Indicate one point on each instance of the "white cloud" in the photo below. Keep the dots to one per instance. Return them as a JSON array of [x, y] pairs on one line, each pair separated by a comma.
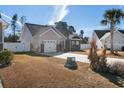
[[60, 12], [6, 16], [121, 6]]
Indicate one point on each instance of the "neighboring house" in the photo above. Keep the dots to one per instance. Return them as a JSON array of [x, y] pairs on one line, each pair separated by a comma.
[[3, 26], [46, 38], [103, 38]]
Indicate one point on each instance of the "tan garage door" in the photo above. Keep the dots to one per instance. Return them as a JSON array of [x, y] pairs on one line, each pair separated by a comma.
[[50, 46]]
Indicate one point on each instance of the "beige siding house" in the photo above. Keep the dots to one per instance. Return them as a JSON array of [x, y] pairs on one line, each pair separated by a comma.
[[45, 38]]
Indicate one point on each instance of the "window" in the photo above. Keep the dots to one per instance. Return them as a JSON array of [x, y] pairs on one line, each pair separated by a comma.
[[72, 42], [77, 42]]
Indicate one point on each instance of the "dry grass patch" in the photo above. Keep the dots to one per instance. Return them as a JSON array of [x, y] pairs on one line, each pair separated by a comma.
[[32, 71]]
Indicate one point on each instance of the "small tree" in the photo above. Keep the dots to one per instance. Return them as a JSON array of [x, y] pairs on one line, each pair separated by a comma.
[[13, 25], [97, 62], [10, 38], [81, 33], [71, 29], [1, 45], [63, 26]]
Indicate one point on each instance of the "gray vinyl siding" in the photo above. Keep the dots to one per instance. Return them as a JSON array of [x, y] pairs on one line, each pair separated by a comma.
[[67, 45], [42, 48]]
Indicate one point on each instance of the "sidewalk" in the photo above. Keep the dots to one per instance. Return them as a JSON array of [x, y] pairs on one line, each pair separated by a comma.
[[1, 86]]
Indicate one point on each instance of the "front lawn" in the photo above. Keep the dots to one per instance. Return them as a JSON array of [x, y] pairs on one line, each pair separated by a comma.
[[33, 71]]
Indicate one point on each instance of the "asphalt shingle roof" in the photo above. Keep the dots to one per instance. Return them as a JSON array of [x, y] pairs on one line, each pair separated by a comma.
[[36, 28], [100, 33]]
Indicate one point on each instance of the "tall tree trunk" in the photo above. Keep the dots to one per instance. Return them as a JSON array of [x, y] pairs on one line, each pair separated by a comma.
[[112, 36], [112, 42], [1, 38], [14, 39]]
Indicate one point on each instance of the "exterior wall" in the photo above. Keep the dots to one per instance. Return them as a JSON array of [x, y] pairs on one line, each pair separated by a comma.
[[50, 35], [67, 46], [38, 39], [42, 48], [84, 46], [58, 47], [98, 42], [35, 46], [26, 36], [118, 41], [17, 47]]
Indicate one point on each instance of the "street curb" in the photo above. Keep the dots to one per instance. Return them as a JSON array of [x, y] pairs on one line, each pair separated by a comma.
[[1, 84]]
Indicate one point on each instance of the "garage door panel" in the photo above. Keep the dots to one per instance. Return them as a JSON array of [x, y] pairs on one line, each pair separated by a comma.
[[50, 46]]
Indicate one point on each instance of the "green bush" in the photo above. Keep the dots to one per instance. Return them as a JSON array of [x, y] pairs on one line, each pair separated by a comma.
[[5, 57]]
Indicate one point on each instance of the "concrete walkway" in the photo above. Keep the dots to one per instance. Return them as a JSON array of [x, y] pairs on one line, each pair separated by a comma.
[[84, 58], [80, 57]]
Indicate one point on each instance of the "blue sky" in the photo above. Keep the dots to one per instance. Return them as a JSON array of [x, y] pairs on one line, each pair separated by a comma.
[[80, 16]]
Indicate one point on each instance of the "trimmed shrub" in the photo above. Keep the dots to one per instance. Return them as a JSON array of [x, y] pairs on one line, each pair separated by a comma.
[[5, 58], [117, 68]]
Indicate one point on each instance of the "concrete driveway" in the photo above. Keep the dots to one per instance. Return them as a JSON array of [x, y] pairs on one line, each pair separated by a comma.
[[79, 57]]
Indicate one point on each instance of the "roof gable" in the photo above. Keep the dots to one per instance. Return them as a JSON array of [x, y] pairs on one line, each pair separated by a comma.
[[34, 28], [122, 31], [101, 33], [64, 32]]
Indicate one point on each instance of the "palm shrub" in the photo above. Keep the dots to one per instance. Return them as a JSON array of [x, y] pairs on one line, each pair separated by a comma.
[[112, 18], [5, 57], [98, 63]]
